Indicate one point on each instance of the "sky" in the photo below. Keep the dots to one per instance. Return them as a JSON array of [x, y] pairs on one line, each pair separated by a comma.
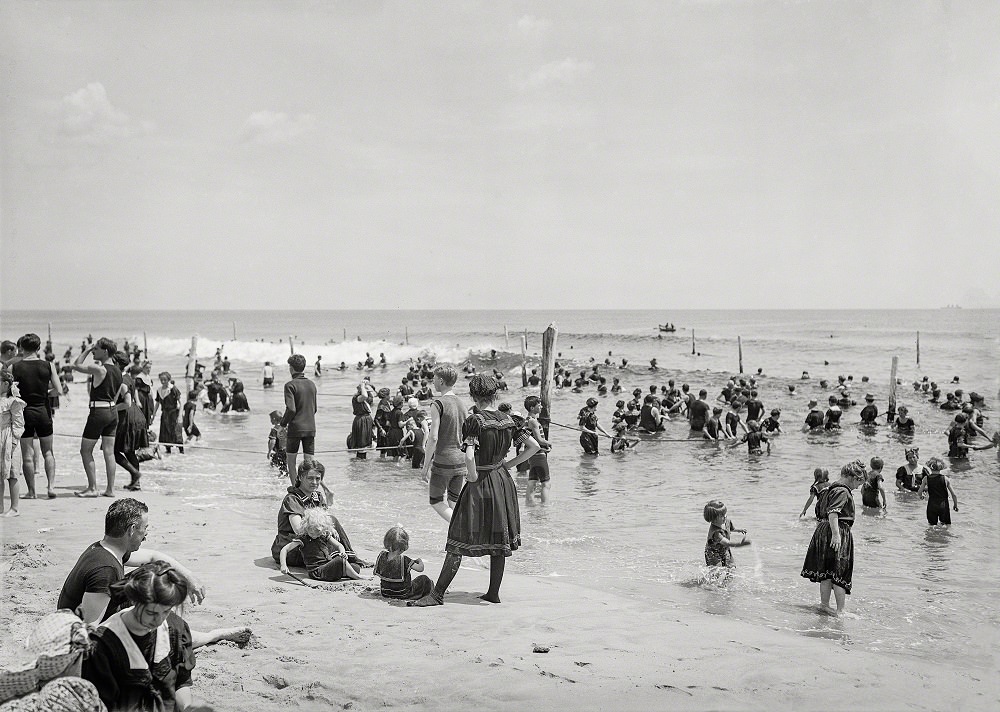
[[691, 154]]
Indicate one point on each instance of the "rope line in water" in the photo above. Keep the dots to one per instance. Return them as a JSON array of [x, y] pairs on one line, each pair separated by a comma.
[[602, 435], [253, 452]]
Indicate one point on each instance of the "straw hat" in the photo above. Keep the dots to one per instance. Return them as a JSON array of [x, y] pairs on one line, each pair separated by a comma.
[[57, 641]]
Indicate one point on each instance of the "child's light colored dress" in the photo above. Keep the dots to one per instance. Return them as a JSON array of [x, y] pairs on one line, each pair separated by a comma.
[[11, 427]]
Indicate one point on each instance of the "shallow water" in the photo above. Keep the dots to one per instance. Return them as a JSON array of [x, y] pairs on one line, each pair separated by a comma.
[[632, 521]]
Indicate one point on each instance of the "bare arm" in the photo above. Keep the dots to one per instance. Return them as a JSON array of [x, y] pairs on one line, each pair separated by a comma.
[[471, 474], [530, 449], [54, 378], [417, 565], [808, 502], [536, 433], [196, 590], [431, 445], [834, 520], [283, 556], [93, 606], [295, 521], [954, 497]]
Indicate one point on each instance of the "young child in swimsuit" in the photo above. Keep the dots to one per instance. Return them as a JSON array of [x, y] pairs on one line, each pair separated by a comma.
[[821, 480], [938, 487], [324, 556], [753, 439], [11, 428], [718, 547], [276, 454], [872, 489], [393, 568]]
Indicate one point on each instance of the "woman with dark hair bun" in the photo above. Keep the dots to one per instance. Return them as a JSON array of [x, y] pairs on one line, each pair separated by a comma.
[[142, 656], [486, 520]]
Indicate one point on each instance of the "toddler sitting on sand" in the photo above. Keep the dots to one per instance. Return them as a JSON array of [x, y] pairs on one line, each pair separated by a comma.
[[323, 554], [393, 567]]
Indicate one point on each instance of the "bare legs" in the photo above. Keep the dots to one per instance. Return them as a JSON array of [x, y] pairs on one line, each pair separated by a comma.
[[87, 455], [543, 492], [28, 464], [840, 595], [444, 509]]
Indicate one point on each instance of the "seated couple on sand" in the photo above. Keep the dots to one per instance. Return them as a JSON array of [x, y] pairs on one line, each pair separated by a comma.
[[309, 535]]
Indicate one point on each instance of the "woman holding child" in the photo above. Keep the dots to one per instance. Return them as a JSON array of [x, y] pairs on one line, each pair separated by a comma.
[[306, 495], [486, 520]]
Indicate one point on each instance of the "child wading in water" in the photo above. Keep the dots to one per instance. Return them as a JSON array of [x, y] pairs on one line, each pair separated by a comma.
[[323, 554], [872, 489], [190, 427], [753, 439], [719, 544], [821, 480], [11, 428], [276, 454], [394, 568], [938, 487]]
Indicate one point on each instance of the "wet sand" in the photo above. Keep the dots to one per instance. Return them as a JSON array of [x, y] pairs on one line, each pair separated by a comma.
[[343, 646]]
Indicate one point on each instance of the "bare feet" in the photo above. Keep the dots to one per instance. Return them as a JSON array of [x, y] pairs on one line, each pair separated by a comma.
[[29, 495], [428, 600], [490, 598], [108, 493], [240, 636], [11, 513], [88, 493]]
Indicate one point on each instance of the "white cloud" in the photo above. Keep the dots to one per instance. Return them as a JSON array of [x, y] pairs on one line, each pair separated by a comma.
[[565, 72], [88, 116], [534, 28], [270, 127]]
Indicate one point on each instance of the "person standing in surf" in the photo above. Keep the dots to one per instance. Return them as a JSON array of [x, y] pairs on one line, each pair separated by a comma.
[[34, 377]]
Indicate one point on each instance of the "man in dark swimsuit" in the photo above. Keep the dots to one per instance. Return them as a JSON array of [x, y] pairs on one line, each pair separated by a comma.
[[700, 412], [35, 377], [102, 422]]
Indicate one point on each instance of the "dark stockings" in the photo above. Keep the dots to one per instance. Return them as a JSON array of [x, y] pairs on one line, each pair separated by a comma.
[[130, 463], [452, 562]]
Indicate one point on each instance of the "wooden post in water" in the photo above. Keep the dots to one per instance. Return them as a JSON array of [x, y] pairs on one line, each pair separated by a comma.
[[548, 372], [739, 344], [918, 348], [891, 413], [524, 362], [692, 342], [145, 347], [234, 331], [50, 331], [194, 359], [291, 345], [506, 338], [345, 333], [406, 335]]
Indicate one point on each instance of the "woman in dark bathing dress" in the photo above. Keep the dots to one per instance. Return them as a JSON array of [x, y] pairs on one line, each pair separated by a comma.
[[486, 519], [830, 557], [362, 429]]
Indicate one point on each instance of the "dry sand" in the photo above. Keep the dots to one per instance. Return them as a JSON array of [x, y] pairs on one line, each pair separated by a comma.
[[347, 648]]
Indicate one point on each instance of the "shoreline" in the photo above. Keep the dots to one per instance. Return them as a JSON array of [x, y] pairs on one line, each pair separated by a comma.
[[344, 646]]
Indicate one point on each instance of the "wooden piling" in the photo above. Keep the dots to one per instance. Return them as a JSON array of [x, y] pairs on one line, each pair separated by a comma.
[[739, 345], [692, 343], [345, 334], [291, 345], [891, 412], [50, 331], [548, 372], [234, 331], [918, 348], [145, 347], [506, 338], [524, 362], [406, 335]]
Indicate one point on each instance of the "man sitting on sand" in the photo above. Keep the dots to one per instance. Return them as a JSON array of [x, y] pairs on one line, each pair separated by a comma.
[[87, 589]]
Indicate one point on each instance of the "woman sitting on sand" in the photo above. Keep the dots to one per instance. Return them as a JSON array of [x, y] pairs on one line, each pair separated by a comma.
[[142, 656], [305, 495]]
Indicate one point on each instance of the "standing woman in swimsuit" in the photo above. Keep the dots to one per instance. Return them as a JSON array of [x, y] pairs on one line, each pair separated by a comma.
[[363, 426], [486, 520], [102, 423], [168, 398]]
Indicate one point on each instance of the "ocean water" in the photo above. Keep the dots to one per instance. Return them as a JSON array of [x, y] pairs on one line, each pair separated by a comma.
[[630, 522]]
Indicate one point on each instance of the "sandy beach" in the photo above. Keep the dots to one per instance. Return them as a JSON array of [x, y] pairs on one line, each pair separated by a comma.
[[343, 646]]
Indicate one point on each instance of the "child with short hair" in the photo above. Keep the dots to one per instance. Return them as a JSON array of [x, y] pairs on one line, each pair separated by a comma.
[[938, 488], [753, 438], [719, 544], [872, 488], [821, 480], [414, 436], [772, 423], [276, 454], [323, 554], [393, 568], [190, 427]]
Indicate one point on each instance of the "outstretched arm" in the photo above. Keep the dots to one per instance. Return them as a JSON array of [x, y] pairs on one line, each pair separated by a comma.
[[196, 590], [283, 556], [808, 503]]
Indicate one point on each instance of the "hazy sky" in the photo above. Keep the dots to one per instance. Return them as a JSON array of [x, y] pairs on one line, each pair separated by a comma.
[[685, 154]]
